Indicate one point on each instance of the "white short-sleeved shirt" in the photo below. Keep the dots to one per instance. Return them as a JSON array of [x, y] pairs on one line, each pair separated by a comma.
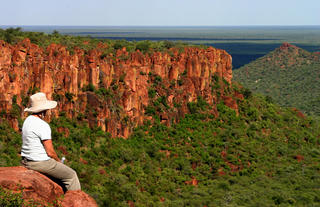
[[34, 130]]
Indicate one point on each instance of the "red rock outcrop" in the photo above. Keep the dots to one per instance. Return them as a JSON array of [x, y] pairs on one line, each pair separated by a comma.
[[287, 45], [71, 77], [77, 198], [41, 189], [34, 184]]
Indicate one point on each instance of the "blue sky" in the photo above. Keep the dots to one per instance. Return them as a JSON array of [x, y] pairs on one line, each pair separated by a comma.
[[160, 12]]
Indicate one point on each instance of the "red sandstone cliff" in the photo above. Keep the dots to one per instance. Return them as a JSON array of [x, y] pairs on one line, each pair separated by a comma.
[[60, 74], [40, 189]]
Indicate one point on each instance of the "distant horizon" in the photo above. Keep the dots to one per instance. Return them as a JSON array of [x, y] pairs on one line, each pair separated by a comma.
[[159, 25], [156, 26], [244, 42]]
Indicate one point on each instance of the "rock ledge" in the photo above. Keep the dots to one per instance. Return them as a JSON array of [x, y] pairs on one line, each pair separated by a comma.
[[40, 188]]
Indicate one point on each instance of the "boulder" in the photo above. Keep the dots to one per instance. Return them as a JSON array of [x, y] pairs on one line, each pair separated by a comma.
[[33, 184], [39, 188]]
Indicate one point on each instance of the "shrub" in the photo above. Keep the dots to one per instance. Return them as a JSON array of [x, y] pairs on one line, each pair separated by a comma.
[[89, 87], [9, 199], [69, 96], [143, 46]]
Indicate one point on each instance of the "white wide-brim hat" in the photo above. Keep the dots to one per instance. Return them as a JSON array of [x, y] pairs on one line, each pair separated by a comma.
[[39, 102]]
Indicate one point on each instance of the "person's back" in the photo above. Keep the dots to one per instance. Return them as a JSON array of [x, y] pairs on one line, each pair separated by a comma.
[[37, 151], [34, 130]]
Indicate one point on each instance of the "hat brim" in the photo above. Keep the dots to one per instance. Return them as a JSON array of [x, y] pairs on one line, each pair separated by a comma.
[[47, 105]]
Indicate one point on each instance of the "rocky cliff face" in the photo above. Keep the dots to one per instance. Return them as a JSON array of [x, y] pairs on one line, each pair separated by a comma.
[[111, 91]]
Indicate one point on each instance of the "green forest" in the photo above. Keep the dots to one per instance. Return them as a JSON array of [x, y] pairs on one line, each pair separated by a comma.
[[264, 155]]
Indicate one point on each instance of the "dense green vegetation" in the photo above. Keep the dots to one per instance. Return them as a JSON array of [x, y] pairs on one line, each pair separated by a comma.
[[10, 199], [290, 77], [265, 156]]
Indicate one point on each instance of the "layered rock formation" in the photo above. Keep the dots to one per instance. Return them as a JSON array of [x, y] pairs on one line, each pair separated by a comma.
[[40, 189], [73, 79]]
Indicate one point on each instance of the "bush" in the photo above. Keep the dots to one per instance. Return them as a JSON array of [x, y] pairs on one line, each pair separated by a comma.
[[143, 46], [10, 199], [69, 96]]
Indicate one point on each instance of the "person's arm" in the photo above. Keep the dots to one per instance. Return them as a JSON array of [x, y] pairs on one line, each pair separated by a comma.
[[50, 150]]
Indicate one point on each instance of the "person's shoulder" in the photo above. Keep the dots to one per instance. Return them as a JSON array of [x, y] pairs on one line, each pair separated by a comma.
[[39, 121], [30, 118], [43, 122]]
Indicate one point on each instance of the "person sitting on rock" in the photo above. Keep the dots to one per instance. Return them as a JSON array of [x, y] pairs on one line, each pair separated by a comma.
[[37, 150]]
